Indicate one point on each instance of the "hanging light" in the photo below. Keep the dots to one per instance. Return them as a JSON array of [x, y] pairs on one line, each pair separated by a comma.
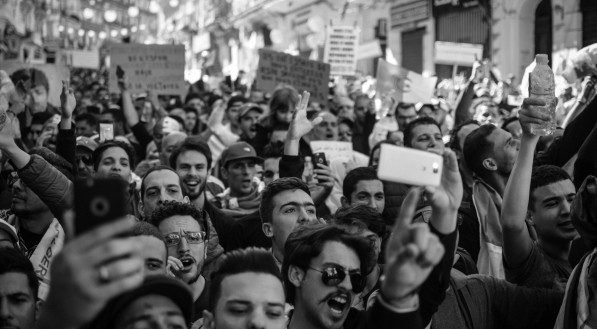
[[142, 27], [124, 31], [70, 30], [133, 11], [154, 7], [102, 35], [110, 15], [88, 13], [173, 3], [134, 29], [81, 33], [91, 34], [60, 28], [113, 33]]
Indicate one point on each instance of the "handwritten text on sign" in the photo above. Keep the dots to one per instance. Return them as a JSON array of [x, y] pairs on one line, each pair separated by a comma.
[[303, 74], [340, 50], [333, 150], [159, 68]]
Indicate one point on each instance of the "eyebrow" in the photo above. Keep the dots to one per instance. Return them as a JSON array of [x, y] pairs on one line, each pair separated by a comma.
[[297, 204], [149, 316], [246, 302]]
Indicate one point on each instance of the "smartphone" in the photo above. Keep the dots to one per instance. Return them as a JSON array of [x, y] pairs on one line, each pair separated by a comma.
[[119, 72], [106, 132], [409, 166], [318, 158], [99, 201]]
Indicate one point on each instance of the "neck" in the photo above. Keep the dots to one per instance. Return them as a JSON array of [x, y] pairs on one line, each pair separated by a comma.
[[277, 253], [199, 203], [299, 319], [556, 249], [372, 279], [238, 195], [36, 223], [467, 175], [497, 182], [197, 287]]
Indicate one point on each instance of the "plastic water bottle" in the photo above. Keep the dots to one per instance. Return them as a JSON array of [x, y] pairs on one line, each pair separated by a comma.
[[542, 86]]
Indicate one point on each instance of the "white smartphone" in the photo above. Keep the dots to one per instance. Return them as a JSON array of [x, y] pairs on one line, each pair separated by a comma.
[[409, 166], [106, 132]]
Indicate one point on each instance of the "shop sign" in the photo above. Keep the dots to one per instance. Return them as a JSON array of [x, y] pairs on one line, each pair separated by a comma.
[[457, 53], [404, 13]]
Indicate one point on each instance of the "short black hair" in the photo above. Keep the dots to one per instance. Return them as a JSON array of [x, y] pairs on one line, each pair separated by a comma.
[[235, 99], [307, 242], [377, 147], [87, 117], [14, 261], [117, 114], [266, 207], [356, 175], [545, 175], [156, 168], [192, 143], [362, 217], [35, 76], [99, 152], [192, 96], [477, 147], [252, 259], [147, 229], [454, 140], [422, 121], [173, 208], [347, 122]]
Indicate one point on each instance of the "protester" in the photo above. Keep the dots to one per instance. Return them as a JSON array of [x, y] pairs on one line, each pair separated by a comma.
[[361, 186], [424, 134], [18, 290], [405, 113], [84, 156], [248, 118], [154, 248]]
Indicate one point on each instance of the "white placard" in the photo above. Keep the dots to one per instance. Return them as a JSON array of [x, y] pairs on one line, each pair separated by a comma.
[[333, 150], [457, 53], [340, 50]]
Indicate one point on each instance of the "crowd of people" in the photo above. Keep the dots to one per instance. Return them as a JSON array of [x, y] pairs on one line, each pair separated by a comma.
[[230, 224]]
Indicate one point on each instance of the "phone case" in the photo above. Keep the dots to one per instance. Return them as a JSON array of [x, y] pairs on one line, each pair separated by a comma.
[[409, 166]]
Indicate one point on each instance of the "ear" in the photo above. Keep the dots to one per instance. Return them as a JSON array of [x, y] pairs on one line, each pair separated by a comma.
[[530, 218], [295, 275], [490, 164], [267, 229], [224, 173], [186, 199], [344, 201], [140, 207], [208, 320], [38, 306]]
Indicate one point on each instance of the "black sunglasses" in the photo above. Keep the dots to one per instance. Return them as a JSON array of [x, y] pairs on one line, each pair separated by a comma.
[[86, 158], [333, 275]]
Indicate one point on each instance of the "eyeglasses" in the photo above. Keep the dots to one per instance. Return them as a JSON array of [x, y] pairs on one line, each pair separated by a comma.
[[333, 275], [86, 158], [173, 239]]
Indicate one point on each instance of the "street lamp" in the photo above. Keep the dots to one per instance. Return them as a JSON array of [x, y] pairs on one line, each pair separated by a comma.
[[133, 11], [124, 32], [102, 35], [110, 15], [91, 34], [154, 7], [173, 3], [88, 13], [81, 33], [134, 29], [113, 33]]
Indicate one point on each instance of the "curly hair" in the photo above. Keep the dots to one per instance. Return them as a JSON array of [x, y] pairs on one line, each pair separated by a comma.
[[172, 208]]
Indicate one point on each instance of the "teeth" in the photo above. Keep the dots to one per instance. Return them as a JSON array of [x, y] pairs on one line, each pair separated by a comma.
[[340, 300]]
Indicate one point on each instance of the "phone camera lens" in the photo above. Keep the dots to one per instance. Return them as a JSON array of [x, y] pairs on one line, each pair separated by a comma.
[[99, 206]]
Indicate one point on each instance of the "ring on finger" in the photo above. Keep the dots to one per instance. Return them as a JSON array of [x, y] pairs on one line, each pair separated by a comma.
[[104, 275]]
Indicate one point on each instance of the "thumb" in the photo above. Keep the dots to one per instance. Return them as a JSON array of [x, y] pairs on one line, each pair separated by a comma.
[[317, 121]]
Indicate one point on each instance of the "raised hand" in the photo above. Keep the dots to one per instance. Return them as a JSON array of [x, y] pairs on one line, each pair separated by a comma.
[[89, 271], [531, 114], [67, 100], [448, 195], [300, 125], [7, 134], [174, 266], [411, 253], [324, 176], [217, 114]]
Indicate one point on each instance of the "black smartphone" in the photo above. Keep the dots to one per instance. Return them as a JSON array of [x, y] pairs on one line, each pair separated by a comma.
[[99, 201], [318, 158], [119, 72]]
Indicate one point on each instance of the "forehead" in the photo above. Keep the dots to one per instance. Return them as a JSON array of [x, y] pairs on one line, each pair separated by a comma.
[[149, 305], [407, 111], [161, 178], [466, 130], [256, 288], [177, 222], [191, 157], [371, 186], [425, 129], [114, 152], [328, 117], [337, 253], [297, 195], [13, 282], [252, 113], [557, 189]]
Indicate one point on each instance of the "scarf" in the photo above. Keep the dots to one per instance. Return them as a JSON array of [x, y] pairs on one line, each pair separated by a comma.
[[41, 257], [237, 207], [488, 204]]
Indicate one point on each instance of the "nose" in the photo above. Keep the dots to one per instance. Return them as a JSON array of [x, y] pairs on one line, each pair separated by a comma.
[[193, 171], [183, 247], [4, 309], [257, 320], [565, 207], [346, 284], [303, 215], [371, 203]]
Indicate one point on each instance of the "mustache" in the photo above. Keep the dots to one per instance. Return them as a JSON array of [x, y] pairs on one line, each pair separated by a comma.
[[339, 292]]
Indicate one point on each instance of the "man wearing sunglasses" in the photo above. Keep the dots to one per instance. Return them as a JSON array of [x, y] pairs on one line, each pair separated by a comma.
[[84, 156], [185, 232]]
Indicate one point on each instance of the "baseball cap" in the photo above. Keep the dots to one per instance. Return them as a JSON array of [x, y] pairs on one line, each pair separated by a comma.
[[171, 288], [246, 108], [87, 143], [238, 151]]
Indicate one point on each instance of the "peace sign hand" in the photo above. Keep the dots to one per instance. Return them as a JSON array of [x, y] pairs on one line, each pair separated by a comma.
[[411, 253], [67, 100], [300, 125]]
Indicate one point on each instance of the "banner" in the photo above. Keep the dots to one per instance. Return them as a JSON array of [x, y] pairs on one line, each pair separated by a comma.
[[333, 150], [403, 85], [275, 68], [54, 74], [159, 68], [340, 50]]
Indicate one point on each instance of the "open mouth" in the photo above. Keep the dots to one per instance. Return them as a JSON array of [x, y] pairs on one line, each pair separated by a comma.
[[187, 262], [566, 224], [338, 304]]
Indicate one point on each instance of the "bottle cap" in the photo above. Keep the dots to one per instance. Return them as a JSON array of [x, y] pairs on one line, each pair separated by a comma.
[[541, 59]]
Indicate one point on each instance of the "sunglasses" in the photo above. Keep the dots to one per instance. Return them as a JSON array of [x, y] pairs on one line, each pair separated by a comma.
[[333, 275], [173, 239], [86, 158]]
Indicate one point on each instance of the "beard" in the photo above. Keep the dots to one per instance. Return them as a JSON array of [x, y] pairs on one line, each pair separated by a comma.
[[194, 193]]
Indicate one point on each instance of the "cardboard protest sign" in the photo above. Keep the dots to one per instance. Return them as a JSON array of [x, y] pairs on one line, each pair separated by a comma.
[[159, 68], [54, 74], [333, 150], [403, 85], [340, 50], [85, 59], [275, 68]]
